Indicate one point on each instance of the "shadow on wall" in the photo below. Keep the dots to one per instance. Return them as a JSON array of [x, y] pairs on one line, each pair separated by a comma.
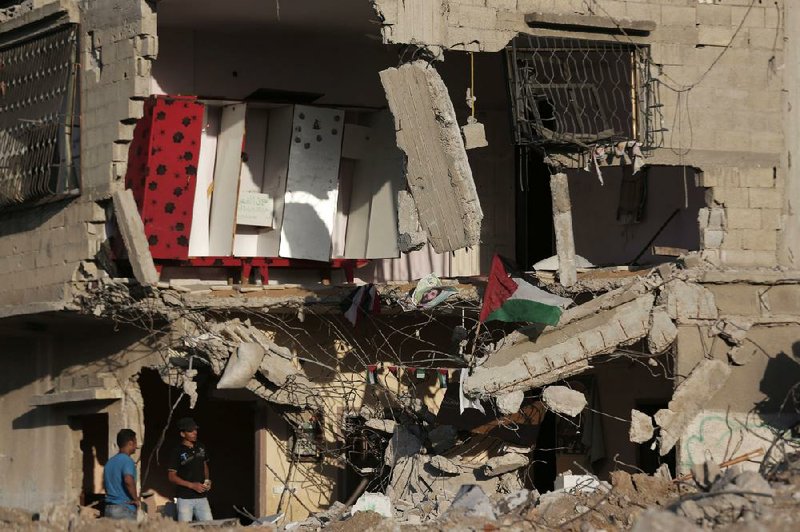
[[29, 219], [604, 240], [781, 387]]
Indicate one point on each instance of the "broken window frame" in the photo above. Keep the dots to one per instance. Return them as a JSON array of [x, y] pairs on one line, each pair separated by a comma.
[[44, 166], [635, 87]]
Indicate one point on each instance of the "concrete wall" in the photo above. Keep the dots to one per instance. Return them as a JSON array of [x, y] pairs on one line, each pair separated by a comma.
[[746, 413], [725, 119], [42, 247], [40, 457]]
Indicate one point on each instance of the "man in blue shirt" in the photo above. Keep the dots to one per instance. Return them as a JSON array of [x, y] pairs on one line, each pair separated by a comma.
[[119, 479]]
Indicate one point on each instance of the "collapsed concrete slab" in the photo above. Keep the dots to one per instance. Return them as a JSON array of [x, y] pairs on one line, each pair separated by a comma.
[[438, 172], [133, 236], [690, 397], [563, 400], [562, 352], [241, 366]]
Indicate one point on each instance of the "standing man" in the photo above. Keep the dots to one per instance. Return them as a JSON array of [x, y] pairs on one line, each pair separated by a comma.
[[119, 479], [188, 470]]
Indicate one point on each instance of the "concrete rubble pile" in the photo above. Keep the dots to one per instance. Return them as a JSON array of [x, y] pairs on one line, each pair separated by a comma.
[[639, 502]]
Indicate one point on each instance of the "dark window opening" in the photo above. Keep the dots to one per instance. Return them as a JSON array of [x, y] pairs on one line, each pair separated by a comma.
[[567, 94]]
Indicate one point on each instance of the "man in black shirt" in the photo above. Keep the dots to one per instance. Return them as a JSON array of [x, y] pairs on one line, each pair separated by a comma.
[[188, 470]]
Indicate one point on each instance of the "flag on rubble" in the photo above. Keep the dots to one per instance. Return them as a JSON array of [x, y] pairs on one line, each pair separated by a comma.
[[360, 302], [511, 298]]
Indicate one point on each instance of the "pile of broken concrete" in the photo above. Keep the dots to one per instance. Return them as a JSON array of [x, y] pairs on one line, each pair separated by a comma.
[[639, 502]]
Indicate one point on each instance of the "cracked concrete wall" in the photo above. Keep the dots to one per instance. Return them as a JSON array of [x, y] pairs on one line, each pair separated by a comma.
[[41, 247], [736, 113]]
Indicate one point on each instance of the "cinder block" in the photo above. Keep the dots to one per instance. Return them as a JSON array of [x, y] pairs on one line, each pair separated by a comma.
[[768, 198], [507, 5], [748, 258], [758, 177], [759, 239], [784, 299], [730, 196], [146, 46], [732, 239], [765, 38], [475, 16], [544, 6], [714, 14], [771, 218], [678, 15], [643, 11], [717, 35], [711, 239], [743, 218], [748, 16]]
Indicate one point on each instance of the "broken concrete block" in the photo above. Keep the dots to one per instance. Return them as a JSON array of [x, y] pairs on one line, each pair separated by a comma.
[[277, 365], [690, 397], [381, 425], [474, 135], [410, 237], [688, 301], [662, 331], [445, 465], [509, 403], [732, 329], [641, 427], [133, 236], [564, 400], [438, 172], [472, 500], [241, 366], [505, 463]]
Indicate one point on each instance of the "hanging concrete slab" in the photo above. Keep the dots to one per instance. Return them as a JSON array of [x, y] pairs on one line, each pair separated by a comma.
[[438, 172]]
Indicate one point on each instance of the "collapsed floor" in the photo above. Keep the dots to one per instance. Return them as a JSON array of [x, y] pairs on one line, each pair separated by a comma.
[[417, 445]]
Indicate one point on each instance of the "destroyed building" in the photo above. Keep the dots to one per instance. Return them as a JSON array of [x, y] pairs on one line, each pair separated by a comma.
[[231, 210]]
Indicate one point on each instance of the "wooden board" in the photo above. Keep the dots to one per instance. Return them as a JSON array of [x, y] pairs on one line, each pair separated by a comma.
[[343, 208], [387, 165], [226, 180], [312, 183], [276, 166], [198, 238], [250, 241], [361, 192]]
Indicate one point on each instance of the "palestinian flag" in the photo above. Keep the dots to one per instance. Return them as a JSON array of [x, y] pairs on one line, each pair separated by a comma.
[[511, 298]]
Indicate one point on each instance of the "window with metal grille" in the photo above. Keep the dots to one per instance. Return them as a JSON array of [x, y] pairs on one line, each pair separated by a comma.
[[568, 93], [38, 108]]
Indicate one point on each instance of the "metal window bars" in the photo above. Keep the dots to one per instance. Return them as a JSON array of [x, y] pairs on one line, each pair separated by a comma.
[[568, 94], [38, 106]]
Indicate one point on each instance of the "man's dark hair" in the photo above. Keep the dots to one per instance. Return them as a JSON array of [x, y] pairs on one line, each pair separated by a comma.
[[124, 436]]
